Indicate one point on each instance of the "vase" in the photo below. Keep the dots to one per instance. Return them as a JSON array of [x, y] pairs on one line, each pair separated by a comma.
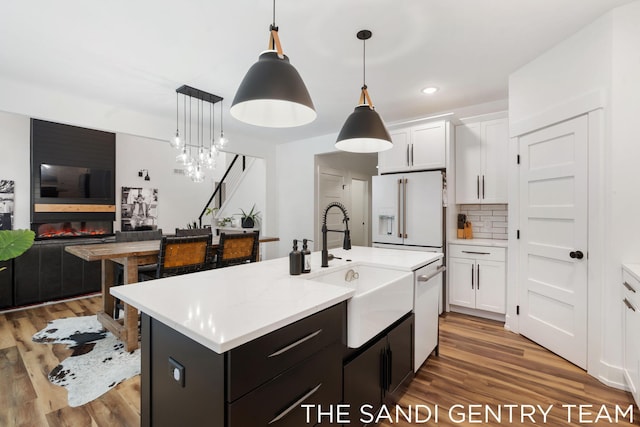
[[247, 222]]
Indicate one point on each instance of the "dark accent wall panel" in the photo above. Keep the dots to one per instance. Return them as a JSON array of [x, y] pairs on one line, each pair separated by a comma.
[[59, 144]]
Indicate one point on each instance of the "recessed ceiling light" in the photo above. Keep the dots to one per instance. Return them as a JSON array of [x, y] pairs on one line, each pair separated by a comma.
[[430, 90]]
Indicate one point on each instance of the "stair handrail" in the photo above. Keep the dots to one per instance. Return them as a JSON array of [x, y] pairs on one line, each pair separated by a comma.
[[218, 187]]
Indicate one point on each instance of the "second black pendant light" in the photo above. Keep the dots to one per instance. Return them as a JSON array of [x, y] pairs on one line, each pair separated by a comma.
[[364, 131], [272, 93]]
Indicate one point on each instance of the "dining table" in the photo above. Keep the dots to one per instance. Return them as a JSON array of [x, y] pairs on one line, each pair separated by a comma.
[[130, 255]]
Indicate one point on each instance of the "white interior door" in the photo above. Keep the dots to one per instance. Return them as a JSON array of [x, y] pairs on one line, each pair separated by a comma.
[[332, 190], [553, 233]]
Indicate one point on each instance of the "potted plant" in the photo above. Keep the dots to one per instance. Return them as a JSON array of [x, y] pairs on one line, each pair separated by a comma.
[[250, 219], [14, 243]]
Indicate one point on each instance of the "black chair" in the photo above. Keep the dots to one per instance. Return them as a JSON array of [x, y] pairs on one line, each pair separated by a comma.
[[240, 248], [180, 255]]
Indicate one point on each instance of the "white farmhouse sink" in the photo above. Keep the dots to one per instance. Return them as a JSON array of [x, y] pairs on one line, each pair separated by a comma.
[[382, 296]]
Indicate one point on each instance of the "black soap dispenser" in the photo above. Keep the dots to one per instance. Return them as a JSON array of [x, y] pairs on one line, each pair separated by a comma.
[[295, 260], [306, 256]]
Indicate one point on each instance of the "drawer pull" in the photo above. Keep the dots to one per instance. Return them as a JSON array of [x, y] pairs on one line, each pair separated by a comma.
[[426, 278], [295, 344], [476, 253], [297, 403], [629, 305], [628, 286]]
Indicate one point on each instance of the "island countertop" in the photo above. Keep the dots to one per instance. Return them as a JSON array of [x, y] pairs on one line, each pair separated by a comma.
[[224, 308]]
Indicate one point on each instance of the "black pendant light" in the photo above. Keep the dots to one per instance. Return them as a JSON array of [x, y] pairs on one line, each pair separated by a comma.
[[272, 93], [364, 131]]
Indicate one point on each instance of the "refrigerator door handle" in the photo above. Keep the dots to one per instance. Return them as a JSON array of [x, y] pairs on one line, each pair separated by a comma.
[[399, 206], [404, 213]]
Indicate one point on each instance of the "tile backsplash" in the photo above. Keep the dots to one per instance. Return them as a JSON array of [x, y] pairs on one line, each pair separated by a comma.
[[488, 221]]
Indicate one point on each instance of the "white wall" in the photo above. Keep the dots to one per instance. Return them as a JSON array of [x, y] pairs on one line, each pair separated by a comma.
[[294, 194], [597, 67], [15, 163], [251, 191], [180, 200]]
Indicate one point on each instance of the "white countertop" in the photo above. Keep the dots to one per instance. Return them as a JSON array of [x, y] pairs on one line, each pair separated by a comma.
[[633, 269], [480, 242], [225, 308]]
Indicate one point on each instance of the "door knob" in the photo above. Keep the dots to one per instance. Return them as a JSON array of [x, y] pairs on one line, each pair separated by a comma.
[[576, 254]]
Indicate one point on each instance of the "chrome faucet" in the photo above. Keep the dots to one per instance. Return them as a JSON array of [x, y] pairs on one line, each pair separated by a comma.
[[346, 243]]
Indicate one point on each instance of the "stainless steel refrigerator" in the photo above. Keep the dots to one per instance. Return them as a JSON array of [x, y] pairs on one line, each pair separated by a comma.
[[407, 211]]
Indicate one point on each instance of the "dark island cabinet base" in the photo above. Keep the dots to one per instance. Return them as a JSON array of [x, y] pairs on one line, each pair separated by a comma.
[[184, 383]]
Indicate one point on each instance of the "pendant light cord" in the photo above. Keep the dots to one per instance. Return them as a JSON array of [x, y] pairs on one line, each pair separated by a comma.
[[364, 94], [274, 39]]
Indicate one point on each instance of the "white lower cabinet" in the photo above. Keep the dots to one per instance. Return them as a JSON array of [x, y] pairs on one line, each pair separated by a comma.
[[631, 329], [477, 277]]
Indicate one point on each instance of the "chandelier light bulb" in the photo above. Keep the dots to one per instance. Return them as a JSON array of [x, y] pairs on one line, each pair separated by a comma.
[[175, 141], [183, 156], [197, 175]]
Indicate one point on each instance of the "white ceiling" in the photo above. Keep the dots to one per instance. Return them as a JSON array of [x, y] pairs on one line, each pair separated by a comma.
[[134, 54]]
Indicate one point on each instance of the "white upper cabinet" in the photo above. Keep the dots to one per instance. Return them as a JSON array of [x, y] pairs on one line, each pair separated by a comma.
[[420, 147], [481, 162]]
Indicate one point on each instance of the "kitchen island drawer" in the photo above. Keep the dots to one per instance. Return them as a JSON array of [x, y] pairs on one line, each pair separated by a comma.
[[488, 253], [259, 360], [317, 381]]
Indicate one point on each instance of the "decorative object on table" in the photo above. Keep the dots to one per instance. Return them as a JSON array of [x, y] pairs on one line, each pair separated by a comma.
[[364, 131], [272, 93], [98, 363], [7, 190], [250, 219], [139, 209], [196, 155]]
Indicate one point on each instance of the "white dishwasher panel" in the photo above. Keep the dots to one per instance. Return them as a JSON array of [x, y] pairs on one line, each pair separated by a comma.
[[427, 289]]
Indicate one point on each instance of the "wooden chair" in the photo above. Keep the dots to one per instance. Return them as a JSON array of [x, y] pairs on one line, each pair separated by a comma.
[[211, 251], [236, 249], [181, 255]]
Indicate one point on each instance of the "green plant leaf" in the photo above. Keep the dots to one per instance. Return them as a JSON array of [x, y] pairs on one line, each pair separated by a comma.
[[14, 243]]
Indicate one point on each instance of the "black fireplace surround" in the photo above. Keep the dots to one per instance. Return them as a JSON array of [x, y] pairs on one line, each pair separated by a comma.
[[46, 272], [72, 181]]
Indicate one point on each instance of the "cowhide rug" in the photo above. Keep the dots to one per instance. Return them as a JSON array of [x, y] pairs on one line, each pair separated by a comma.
[[98, 363]]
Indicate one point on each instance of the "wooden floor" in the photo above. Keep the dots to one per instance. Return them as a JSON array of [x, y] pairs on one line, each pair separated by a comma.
[[479, 364]]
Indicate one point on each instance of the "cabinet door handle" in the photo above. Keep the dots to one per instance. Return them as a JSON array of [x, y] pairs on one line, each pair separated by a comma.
[[383, 369], [477, 186], [629, 305], [628, 286], [412, 155], [478, 276], [295, 344], [293, 406], [408, 161], [476, 253], [404, 213], [482, 186], [399, 205], [471, 276], [389, 367]]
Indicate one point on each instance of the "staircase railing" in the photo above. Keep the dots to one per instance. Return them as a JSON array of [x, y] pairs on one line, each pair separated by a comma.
[[218, 190]]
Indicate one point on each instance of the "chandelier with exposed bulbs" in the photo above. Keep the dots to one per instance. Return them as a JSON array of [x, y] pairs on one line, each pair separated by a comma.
[[196, 143]]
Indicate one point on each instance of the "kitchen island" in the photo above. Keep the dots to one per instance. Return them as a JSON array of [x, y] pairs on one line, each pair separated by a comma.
[[252, 341]]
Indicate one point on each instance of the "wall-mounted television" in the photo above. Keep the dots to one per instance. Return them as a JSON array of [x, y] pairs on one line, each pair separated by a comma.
[[72, 182]]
